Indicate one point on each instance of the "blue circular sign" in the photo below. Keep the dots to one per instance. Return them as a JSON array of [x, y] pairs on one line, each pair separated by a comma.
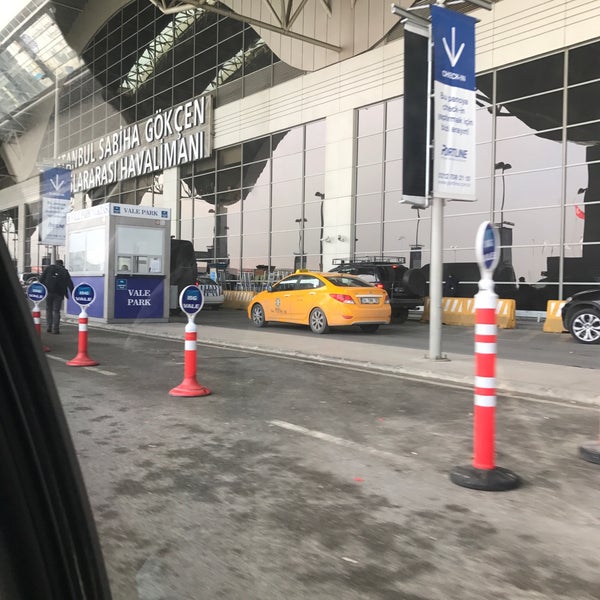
[[487, 246], [191, 300], [83, 294], [36, 291]]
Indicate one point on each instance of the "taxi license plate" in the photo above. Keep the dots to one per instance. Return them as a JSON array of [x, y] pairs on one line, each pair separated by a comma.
[[369, 300]]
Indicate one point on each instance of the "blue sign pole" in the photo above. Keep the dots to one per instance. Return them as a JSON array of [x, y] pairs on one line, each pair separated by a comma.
[[37, 292], [483, 473], [191, 301], [83, 295]]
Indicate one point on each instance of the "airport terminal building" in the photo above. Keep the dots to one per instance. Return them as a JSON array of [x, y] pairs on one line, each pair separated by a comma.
[[273, 131]]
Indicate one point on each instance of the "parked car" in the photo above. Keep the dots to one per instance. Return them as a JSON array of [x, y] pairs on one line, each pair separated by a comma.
[[405, 287], [581, 316], [212, 292], [322, 300]]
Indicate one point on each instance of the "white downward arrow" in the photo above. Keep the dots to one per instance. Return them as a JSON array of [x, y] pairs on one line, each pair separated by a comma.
[[57, 183], [452, 54]]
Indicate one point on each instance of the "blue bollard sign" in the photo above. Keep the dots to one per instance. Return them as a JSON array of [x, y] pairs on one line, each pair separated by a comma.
[[83, 295], [487, 248], [36, 292], [191, 300]]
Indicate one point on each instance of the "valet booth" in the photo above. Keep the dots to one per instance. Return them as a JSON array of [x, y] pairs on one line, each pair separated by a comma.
[[123, 252]]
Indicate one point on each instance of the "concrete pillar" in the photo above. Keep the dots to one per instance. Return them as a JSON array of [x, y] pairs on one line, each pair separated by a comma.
[[339, 187], [172, 198]]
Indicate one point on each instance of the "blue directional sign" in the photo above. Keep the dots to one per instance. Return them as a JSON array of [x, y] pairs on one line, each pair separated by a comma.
[[56, 183], [83, 294], [487, 247], [36, 292], [55, 191], [191, 300], [453, 37]]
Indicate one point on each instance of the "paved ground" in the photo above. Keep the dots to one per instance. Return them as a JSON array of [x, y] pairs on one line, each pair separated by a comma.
[[295, 481], [530, 363]]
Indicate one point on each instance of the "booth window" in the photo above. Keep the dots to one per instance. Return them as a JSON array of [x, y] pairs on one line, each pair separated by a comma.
[[140, 249], [86, 251], [124, 264]]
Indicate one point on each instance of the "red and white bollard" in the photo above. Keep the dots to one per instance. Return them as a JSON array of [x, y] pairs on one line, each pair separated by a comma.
[[37, 323], [190, 387], [82, 359], [483, 474], [485, 381]]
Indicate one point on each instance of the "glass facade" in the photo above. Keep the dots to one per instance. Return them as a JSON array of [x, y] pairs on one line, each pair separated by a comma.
[[255, 208], [538, 176]]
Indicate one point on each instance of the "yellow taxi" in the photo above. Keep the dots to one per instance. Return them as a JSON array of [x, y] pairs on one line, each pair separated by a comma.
[[321, 300]]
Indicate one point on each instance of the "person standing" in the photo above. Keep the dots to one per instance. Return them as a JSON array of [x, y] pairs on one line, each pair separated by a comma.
[[57, 280]]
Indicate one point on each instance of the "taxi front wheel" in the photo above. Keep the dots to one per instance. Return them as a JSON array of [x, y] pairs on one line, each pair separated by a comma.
[[318, 321], [258, 316]]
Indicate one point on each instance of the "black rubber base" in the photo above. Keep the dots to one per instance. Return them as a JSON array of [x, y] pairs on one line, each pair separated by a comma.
[[590, 451], [489, 480]]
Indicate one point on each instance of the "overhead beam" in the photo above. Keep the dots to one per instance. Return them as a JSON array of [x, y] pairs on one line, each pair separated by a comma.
[[194, 4]]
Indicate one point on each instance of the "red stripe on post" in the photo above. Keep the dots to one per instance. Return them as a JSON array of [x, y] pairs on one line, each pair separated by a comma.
[[485, 316], [485, 365], [483, 435]]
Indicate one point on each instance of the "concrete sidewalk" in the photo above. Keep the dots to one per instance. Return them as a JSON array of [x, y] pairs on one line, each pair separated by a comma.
[[515, 378]]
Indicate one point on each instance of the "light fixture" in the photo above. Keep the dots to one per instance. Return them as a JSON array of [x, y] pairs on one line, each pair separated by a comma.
[[504, 166], [320, 195]]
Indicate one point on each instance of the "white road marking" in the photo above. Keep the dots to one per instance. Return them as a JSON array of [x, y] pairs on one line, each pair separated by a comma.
[[332, 439], [95, 369]]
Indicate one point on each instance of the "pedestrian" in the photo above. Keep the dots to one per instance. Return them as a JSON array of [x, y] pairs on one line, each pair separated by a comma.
[[57, 280]]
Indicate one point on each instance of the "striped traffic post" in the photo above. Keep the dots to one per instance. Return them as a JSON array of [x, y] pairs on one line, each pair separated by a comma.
[[191, 301], [483, 474], [37, 292], [83, 295]]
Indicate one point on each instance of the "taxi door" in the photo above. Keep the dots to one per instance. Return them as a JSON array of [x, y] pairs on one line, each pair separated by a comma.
[[281, 300], [306, 296]]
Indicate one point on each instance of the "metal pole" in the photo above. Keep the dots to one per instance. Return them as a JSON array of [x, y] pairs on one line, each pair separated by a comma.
[[435, 279], [55, 149]]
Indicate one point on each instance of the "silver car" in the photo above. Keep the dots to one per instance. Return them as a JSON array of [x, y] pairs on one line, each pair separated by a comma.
[[212, 292]]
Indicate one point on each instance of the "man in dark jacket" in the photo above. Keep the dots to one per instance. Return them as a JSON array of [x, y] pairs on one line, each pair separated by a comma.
[[57, 281]]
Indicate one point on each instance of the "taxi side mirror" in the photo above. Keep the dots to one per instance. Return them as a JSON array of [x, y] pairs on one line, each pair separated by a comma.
[[269, 287]]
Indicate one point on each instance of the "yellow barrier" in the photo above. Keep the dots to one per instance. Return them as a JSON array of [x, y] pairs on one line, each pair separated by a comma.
[[237, 300], [506, 314], [461, 311], [553, 322], [452, 311]]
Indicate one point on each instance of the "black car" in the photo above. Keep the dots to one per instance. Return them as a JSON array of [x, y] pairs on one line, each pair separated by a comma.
[[405, 287], [581, 316]]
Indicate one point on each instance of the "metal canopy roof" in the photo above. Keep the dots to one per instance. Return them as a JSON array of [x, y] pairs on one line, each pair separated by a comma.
[[33, 57]]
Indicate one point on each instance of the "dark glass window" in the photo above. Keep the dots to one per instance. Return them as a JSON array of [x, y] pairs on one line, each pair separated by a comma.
[[530, 78], [583, 103], [583, 63]]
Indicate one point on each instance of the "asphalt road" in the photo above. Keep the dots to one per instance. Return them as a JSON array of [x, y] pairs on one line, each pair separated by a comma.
[[296, 481]]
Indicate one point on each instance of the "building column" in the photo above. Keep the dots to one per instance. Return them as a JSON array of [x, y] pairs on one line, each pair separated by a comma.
[[339, 187], [172, 198]]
